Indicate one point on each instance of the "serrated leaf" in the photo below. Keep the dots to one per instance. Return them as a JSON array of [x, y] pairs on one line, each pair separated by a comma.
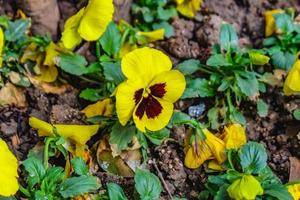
[[253, 157], [179, 118], [16, 29], [115, 192], [113, 72], [166, 14], [77, 186], [157, 137], [213, 116], [197, 88], [90, 94], [79, 166], [217, 60], [72, 63], [228, 37], [147, 185], [189, 67], [247, 83], [278, 191], [262, 108], [111, 39], [121, 135], [35, 169], [296, 114], [284, 22]]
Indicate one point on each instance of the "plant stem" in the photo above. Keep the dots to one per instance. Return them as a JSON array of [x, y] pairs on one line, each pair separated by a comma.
[[98, 55], [24, 191], [46, 151]]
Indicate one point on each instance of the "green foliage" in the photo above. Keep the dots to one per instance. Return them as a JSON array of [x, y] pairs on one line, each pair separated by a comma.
[[51, 183], [115, 192], [74, 64], [296, 114], [262, 108], [111, 40]]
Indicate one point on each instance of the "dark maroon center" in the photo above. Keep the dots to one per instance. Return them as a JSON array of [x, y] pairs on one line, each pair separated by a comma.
[[149, 105]]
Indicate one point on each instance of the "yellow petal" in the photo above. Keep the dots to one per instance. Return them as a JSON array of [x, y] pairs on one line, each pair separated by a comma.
[[245, 188], [126, 48], [156, 123], [234, 136], [9, 171], [103, 108], [44, 128], [47, 73], [125, 99], [145, 63], [152, 36], [1, 45], [270, 21], [216, 145], [52, 51], [292, 81], [174, 84], [30, 53], [294, 190], [258, 59], [214, 165], [70, 36], [95, 19], [188, 8]]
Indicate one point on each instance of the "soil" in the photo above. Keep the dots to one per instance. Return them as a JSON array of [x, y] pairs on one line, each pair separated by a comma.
[[193, 39]]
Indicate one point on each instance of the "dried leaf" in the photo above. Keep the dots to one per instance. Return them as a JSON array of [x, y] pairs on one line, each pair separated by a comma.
[[294, 169], [11, 95]]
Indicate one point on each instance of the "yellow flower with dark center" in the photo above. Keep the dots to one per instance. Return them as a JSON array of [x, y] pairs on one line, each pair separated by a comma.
[[201, 150], [188, 8], [270, 21], [245, 188], [76, 135], [292, 82], [150, 90], [1, 45], [234, 136], [294, 190], [89, 23], [8, 171]]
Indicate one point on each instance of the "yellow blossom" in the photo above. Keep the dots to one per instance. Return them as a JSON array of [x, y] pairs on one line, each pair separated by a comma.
[[292, 81], [77, 135], [103, 108], [201, 150], [188, 8], [89, 23], [294, 190], [234, 136], [150, 90], [270, 26], [152, 36], [8, 171], [126, 48], [1, 45], [245, 188]]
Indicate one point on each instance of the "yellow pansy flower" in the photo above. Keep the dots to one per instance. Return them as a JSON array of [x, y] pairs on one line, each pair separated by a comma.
[[234, 136], [150, 90], [152, 36], [89, 23], [103, 108], [1, 45], [270, 26], [126, 48], [245, 188], [8, 171], [294, 190], [77, 135], [201, 150], [292, 82], [188, 8]]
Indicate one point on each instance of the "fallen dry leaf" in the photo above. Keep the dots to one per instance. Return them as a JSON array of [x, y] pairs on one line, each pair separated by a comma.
[[48, 87], [11, 95], [294, 169]]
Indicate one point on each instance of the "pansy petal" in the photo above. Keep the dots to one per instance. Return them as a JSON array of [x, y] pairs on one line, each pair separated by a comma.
[[52, 51], [292, 82], [95, 19], [102, 108], [44, 128], [9, 171], [70, 36], [216, 145], [47, 73], [145, 63], [270, 26], [125, 100], [154, 121], [152, 36], [294, 190], [174, 84], [234, 136], [197, 155]]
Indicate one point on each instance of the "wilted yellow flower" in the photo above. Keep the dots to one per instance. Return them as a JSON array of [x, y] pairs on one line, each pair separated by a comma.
[[152, 36], [234, 136], [292, 82], [188, 8], [270, 21], [245, 188], [89, 23], [294, 190], [103, 107], [201, 150], [150, 90], [8, 171], [1, 45], [74, 134]]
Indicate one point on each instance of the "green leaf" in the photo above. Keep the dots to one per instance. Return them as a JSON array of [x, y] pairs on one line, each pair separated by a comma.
[[296, 114], [121, 135], [284, 22], [213, 117], [228, 37], [258, 58], [282, 60], [179, 118], [189, 67], [72, 63], [262, 108], [166, 14], [115, 192], [52, 178], [35, 169], [247, 83], [111, 39], [238, 117], [278, 191], [147, 185], [157, 137], [169, 30], [113, 72], [77, 186], [90, 94], [197, 88], [79, 166], [16, 30], [217, 60], [253, 157]]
